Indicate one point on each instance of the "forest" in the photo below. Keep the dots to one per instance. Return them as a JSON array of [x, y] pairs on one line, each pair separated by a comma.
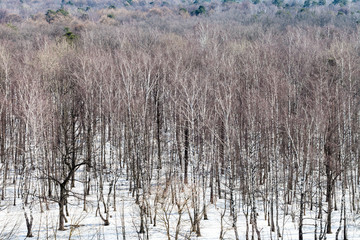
[[179, 120]]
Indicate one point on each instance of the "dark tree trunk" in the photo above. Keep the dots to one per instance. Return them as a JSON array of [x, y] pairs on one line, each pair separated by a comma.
[[186, 152]]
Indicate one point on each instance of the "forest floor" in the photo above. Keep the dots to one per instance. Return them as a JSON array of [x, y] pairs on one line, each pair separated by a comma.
[[88, 225]]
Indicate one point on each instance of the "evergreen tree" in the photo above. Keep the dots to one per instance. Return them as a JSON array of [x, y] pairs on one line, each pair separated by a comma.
[[340, 2], [278, 3], [307, 3]]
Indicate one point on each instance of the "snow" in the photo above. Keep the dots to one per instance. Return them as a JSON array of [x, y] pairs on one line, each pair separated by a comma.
[[86, 225]]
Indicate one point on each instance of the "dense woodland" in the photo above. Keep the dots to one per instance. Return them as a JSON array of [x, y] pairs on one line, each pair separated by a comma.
[[254, 103]]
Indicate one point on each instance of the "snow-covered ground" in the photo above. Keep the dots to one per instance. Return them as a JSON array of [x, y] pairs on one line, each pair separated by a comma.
[[86, 225]]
